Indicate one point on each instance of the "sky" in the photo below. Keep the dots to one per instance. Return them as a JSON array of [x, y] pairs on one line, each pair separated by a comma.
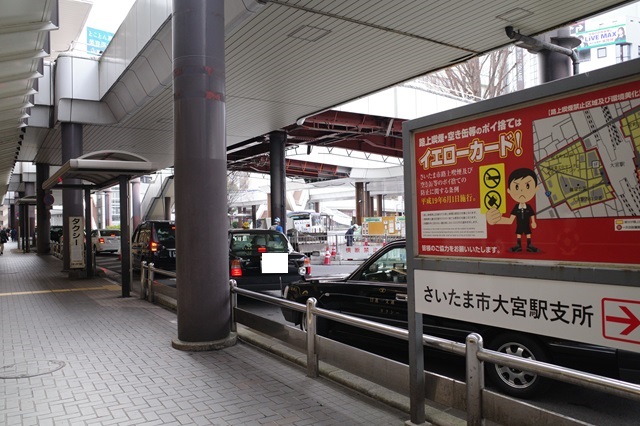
[[107, 15]]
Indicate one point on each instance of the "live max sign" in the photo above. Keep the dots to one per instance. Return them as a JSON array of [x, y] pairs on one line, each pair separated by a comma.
[[621, 320]]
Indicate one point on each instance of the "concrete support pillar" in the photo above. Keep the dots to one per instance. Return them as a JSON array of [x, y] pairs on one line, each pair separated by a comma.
[[269, 212], [125, 232], [360, 203], [30, 191], [100, 207], [167, 208], [13, 213], [88, 258], [200, 162], [254, 216], [135, 203], [380, 204], [43, 219], [71, 198], [316, 207], [277, 142], [107, 208], [20, 221]]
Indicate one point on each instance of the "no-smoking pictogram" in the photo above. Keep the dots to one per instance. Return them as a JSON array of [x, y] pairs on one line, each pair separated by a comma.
[[492, 190], [492, 199], [491, 177], [621, 320]]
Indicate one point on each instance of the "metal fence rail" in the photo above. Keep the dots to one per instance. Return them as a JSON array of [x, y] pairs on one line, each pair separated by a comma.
[[147, 276], [472, 350]]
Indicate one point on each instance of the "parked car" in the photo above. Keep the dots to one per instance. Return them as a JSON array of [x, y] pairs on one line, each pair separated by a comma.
[[55, 232], [246, 266], [154, 241], [377, 291], [105, 240]]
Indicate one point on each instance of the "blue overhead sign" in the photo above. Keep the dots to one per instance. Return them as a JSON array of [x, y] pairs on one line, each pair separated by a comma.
[[97, 40]]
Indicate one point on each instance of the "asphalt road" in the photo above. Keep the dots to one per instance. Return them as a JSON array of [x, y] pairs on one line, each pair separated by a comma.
[[573, 401]]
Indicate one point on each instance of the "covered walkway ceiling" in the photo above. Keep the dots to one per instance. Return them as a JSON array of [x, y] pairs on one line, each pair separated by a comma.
[[291, 60], [329, 129]]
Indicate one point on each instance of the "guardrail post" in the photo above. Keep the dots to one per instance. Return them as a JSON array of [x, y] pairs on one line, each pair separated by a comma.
[[475, 380], [234, 304], [150, 282], [312, 356], [143, 280]]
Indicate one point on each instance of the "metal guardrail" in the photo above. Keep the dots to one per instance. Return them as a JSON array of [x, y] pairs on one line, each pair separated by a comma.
[[56, 249], [473, 350], [147, 275]]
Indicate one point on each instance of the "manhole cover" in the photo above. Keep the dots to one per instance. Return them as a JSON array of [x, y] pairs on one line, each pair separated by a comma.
[[21, 370]]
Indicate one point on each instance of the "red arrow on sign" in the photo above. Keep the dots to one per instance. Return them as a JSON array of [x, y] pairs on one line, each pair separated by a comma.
[[630, 319]]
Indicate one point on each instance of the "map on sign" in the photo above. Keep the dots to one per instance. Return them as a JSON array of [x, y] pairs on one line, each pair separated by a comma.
[[587, 162]]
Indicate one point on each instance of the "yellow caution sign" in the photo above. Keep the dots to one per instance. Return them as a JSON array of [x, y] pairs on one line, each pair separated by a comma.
[[492, 188]]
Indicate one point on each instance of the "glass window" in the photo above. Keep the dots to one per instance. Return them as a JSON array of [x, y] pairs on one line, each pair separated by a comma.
[[584, 55], [165, 233], [623, 52], [391, 267], [602, 52]]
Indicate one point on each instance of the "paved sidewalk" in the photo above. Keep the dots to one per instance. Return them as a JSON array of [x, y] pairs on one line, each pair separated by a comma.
[[74, 352]]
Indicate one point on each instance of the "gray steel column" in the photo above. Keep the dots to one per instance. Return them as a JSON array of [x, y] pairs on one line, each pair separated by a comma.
[[107, 208], [135, 203], [71, 198], [380, 204], [43, 219], [88, 249], [125, 236], [202, 253], [360, 202], [254, 216], [30, 220], [278, 176], [100, 207], [12, 215], [167, 208]]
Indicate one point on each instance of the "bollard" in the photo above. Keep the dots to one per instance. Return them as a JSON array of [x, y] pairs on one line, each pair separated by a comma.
[[327, 257], [143, 280], [150, 282], [475, 380], [234, 304], [312, 356]]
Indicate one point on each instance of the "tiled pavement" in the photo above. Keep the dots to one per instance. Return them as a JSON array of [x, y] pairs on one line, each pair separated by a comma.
[[74, 352]]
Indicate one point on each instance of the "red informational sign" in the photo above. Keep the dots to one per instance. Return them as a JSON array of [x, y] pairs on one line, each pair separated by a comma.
[[556, 181]]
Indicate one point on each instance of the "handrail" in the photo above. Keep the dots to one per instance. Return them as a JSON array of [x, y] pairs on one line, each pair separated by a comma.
[[147, 275], [473, 351]]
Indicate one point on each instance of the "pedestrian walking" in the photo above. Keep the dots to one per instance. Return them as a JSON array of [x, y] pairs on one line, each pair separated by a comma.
[[3, 239]]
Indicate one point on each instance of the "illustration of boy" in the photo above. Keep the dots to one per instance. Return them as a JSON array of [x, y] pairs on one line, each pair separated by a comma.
[[523, 184]]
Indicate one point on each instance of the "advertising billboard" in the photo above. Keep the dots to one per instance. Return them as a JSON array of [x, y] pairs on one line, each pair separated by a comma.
[[557, 180]]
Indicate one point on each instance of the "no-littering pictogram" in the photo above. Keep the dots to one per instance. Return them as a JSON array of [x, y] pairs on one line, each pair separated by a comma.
[[621, 320]]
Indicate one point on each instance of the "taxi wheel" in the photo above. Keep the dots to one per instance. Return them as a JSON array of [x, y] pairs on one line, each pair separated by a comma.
[[511, 381]]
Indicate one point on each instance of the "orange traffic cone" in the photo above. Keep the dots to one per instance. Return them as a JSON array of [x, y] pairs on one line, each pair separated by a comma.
[[327, 257], [333, 250]]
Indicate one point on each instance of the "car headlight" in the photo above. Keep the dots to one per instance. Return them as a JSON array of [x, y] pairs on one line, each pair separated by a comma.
[[302, 271]]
